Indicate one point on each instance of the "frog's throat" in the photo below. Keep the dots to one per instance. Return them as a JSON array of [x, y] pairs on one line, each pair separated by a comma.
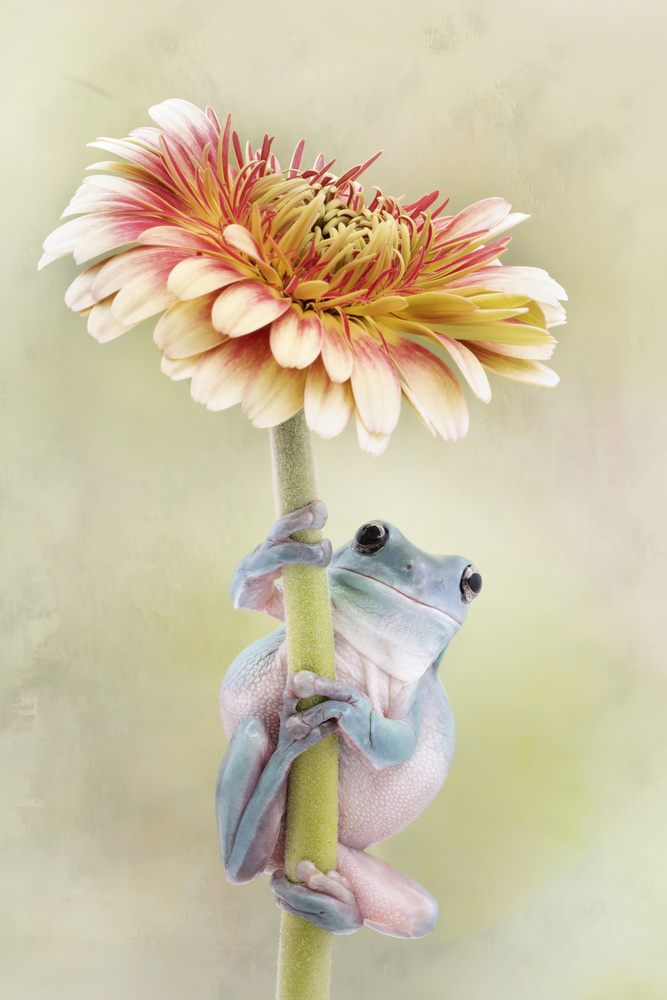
[[407, 597]]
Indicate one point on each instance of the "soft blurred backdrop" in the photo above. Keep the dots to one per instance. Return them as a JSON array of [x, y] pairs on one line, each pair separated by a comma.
[[127, 507]]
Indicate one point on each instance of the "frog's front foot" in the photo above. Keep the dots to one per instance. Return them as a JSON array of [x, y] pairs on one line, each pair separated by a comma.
[[326, 900]]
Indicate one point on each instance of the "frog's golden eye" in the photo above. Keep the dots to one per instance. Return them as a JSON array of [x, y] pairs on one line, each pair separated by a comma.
[[371, 538], [471, 583]]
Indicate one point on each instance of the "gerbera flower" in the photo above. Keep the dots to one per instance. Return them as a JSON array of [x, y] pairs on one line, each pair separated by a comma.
[[283, 289]]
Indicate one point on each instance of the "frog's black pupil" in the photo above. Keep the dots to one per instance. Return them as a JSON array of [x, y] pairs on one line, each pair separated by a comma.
[[475, 582], [371, 538]]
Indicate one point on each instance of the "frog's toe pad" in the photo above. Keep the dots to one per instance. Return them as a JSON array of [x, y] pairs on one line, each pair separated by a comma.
[[324, 900]]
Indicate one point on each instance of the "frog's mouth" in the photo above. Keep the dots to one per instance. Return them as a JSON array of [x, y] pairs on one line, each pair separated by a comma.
[[406, 597]]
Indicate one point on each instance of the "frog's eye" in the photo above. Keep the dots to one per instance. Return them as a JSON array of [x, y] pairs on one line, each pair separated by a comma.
[[371, 538], [471, 584]]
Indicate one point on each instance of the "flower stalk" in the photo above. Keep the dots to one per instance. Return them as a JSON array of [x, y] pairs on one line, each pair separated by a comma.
[[304, 958]]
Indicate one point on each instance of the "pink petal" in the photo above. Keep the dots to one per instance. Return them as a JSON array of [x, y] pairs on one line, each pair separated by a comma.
[[104, 193], [91, 235], [296, 337], [375, 384], [187, 121], [186, 329], [247, 306], [477, 218], [197, 276], [433, 385], [135, 263], [336, 350], [223, 374], [328, 405]]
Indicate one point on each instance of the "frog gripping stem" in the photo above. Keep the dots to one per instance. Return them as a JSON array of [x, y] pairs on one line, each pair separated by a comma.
[[304, 958]]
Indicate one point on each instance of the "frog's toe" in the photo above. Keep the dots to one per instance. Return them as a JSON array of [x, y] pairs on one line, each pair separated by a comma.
[[313, 515], [301, 684], [324, 900]]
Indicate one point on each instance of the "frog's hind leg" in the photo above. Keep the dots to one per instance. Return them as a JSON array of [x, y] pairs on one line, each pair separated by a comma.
[[388, 900]]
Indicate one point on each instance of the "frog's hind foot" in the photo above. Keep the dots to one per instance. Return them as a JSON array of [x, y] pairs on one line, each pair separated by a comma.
[[326, 900]]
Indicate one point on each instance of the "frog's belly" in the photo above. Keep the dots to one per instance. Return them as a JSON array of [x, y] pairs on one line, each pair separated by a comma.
[[375, 805]]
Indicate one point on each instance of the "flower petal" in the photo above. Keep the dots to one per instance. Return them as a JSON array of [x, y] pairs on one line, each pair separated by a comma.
[[469, 366], [196, 276], [369, 441], [138, 262], [311, 290], [274, 395], [336, 350], [375, 384], [179, 368], [477, 218], [185, 120], [433, 385], [80, 295], [437, 307], [517, 368], [328, 405], [186, 329], [531, 281], [247, 306], [103, 325], [296, 337], [239, 238], [223, 374]]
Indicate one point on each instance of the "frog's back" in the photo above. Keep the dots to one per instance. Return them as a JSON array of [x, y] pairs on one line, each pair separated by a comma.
[[254, 683]]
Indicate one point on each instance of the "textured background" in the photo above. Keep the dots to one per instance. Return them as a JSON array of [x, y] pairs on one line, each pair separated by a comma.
[[127, 507]]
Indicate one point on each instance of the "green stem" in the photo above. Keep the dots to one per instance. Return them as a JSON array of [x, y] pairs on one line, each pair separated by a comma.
[[304, 956]]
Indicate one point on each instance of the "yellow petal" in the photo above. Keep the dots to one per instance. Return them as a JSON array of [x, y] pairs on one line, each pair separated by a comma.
[[519, 369], [382, 305], [247, 306], [434, 307], [311, 290], [296, 337]]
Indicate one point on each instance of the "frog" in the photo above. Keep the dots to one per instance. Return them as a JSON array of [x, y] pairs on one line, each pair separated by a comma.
[[395, 610]]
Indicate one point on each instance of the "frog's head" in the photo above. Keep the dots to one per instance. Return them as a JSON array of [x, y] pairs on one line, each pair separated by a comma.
[[384, 586]]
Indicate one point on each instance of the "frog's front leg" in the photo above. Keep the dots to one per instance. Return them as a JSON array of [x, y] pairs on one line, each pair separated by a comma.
[[383, 742], [251, 791], [254, 581]]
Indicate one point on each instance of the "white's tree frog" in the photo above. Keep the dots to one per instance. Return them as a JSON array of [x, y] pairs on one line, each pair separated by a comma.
[[395, 610]]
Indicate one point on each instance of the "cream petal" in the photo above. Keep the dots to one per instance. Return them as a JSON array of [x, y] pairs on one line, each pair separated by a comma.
[[531, 281], [197, 276], [433, 384], [103, 325], [369, 441], [328, 405], [142, 297], [506, 332], [179, 368], [223, 374], [274, 394], [375, 384], [177, 236], [296, 337], [519, 369], [90, 235], [469, 366], [336, 350], [80, 295], [186, 329], [247, 306], [239, 238]]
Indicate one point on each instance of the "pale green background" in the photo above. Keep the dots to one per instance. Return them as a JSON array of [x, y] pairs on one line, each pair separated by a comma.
[[127, 507]]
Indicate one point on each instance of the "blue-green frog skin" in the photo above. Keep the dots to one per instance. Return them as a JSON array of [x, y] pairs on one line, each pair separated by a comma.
[[395, 610]]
